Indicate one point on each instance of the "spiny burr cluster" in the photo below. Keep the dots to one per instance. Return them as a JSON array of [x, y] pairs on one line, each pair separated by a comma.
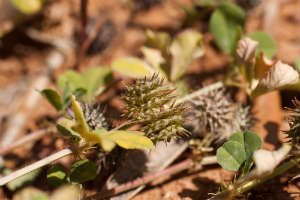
[[294, 122], [215, 113], [94, 115], [152, 103]]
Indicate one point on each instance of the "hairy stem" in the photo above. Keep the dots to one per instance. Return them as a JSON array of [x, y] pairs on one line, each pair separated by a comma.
[[34, 166], [278, 171], [202, 91]]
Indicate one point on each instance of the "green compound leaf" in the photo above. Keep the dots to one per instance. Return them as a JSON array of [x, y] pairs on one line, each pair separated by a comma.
[[95, 79], [231, 155], [132, 67], [89, 83], [28, 6], [225, 29], [70, 79], [128, 139], [184, 50], [53, 97], [83, 170], [57, 175], [233, 12], [250, 141], [266, 43]]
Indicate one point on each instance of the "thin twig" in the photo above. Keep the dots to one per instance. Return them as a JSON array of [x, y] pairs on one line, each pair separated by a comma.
[[29, 138], [202, 91], [34, 166], [83, 36], [148, 178]]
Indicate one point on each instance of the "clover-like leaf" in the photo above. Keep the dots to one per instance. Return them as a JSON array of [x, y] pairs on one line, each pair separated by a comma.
[[132, 67], [57, 175], [265, 43], [250, 141], [186, 47], [83, 170], [231, 155], [53, 97]]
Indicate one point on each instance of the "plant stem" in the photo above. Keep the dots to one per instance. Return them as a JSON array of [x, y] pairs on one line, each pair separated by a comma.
[[148, 178], [201, 91], [278, 171], [34, 166], [29, 138]]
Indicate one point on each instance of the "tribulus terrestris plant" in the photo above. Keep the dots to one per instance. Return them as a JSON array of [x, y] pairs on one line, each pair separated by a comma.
[[215, 113], [151, 102], [294, 122]]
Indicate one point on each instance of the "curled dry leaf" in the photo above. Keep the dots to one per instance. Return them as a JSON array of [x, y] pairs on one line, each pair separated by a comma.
[[266, 161], [262, 65], [281, 76], [246, 49]]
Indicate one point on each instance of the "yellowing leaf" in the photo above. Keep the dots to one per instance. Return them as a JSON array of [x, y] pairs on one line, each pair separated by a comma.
[[28, 6], [154, 57], [67, 123], [106, 144], [185, 48], [132, 67], [80, 126], [128, 139]]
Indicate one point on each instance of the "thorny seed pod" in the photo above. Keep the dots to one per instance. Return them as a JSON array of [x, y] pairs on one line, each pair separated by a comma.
[[215, 113], [294, 122], [151, 103], [94, 115]]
